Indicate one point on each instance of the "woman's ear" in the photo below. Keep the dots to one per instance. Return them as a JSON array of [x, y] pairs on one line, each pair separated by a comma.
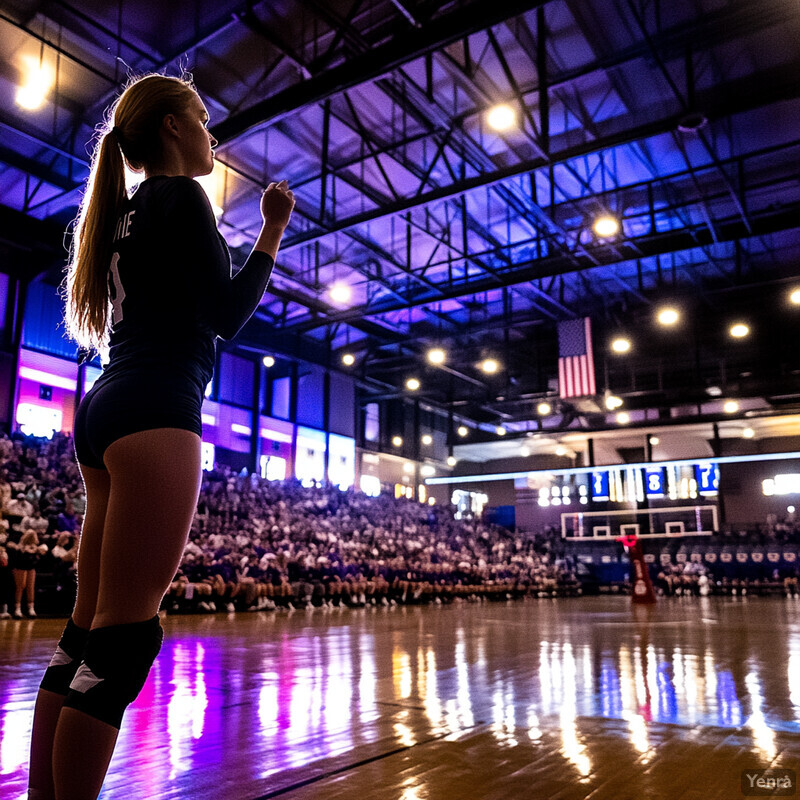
[[170, 125]]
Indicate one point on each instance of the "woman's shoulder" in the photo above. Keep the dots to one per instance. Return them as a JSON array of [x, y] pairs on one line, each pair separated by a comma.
[[166, 187], [173, 195]]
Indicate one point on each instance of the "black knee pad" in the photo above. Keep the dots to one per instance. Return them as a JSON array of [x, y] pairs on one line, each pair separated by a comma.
[[115, 665], [66, 659]]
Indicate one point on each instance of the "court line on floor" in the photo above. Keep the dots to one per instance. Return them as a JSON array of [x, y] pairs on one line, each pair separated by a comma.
[[372, 759], [399, 705]]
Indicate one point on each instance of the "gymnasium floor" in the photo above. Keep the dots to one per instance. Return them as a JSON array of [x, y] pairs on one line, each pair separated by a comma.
[[567, 699]]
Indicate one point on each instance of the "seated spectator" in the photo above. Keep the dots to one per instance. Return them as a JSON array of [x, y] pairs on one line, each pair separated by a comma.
[[64, 555], [67, 521], [35, 522], [18, 508], [6, 492], [65, 549]]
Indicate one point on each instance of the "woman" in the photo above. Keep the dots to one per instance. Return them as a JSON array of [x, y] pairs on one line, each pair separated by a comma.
[[27, 554], [148, 278]]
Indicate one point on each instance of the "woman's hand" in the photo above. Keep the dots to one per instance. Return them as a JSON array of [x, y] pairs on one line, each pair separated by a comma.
[[277, 203]]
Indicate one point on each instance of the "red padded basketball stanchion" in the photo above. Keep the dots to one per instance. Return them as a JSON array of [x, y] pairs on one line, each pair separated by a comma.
[[642, 591]]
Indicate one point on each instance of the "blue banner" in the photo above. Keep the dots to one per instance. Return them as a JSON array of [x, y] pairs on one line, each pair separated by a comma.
[[654, 482], [599, 486], [707, 477]]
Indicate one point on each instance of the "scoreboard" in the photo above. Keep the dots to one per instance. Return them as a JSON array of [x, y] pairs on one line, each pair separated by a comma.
[[673, 482], [633, 484]]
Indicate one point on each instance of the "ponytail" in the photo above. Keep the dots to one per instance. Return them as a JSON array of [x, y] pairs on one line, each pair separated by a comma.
[[87, 276], [131, 136]]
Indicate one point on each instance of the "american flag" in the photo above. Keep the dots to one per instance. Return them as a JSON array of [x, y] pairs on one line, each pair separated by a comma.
[[575, 359]]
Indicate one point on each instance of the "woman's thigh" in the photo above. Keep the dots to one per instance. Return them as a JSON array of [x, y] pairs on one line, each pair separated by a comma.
[[154, 485], [97, 484]]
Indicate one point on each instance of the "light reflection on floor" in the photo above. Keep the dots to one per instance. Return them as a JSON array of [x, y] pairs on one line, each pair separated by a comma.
[[406, 702]]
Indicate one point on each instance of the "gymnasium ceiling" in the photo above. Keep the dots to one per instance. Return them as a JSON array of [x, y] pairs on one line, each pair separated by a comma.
[[679, 117]]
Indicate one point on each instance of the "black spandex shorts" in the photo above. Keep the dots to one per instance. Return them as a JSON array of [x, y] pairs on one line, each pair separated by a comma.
[[127, 404]]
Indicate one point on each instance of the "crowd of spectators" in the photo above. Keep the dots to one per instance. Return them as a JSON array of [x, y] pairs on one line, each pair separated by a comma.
[[257, 545], [261, 545], [41, 506], [694, 579]]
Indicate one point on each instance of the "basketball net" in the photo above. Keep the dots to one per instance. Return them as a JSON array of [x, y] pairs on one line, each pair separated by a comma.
[[642, 591]]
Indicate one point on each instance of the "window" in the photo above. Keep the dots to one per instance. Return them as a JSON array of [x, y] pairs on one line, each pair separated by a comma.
[[372, 426]]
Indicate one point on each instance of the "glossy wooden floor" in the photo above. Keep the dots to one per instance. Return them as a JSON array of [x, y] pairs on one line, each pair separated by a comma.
[[567, 699]]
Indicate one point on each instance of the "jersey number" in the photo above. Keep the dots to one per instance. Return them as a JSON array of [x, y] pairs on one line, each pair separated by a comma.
[[117, 291]]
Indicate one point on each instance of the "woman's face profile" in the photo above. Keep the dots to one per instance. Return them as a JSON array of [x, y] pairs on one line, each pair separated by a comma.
[[198, 141]]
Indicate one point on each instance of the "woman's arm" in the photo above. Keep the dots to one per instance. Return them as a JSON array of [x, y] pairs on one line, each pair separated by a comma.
[[228, 302], [250, 283]]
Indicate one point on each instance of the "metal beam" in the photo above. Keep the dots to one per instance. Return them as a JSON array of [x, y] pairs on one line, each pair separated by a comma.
[[787, 217], [747, 94], [35, 169], [365, 67]]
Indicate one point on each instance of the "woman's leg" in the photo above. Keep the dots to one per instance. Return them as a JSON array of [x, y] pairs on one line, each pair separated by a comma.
[[154, 485], [30, 588], [49, 701], [19, 590]]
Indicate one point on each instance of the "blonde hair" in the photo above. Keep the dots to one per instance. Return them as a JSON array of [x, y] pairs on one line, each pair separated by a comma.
[[29, 537], [129, 135]]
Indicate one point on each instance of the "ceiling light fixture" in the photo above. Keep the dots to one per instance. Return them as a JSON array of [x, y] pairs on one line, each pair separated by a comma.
[[412, 384], [451, 461], [501, 117], [268, 361], [348, 359], [489, 366], [794, 297], [739, 330], [543, 409], [668, 316], [612, 402], [730, 407], [427, 439], [605, 226], [623, 417], [462, 431], [397, 441], [38, 78], [692, 122], [436, 355], [748, 433], [501, 431], [621, 345], [340, 293]]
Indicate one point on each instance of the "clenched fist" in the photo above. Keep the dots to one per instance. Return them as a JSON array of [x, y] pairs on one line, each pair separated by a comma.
[[277, 203]]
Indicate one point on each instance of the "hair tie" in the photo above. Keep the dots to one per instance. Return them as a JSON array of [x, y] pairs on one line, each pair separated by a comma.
[[116, 131]]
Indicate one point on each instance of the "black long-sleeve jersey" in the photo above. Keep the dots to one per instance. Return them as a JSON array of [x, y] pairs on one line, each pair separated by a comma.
[[171, 285]]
